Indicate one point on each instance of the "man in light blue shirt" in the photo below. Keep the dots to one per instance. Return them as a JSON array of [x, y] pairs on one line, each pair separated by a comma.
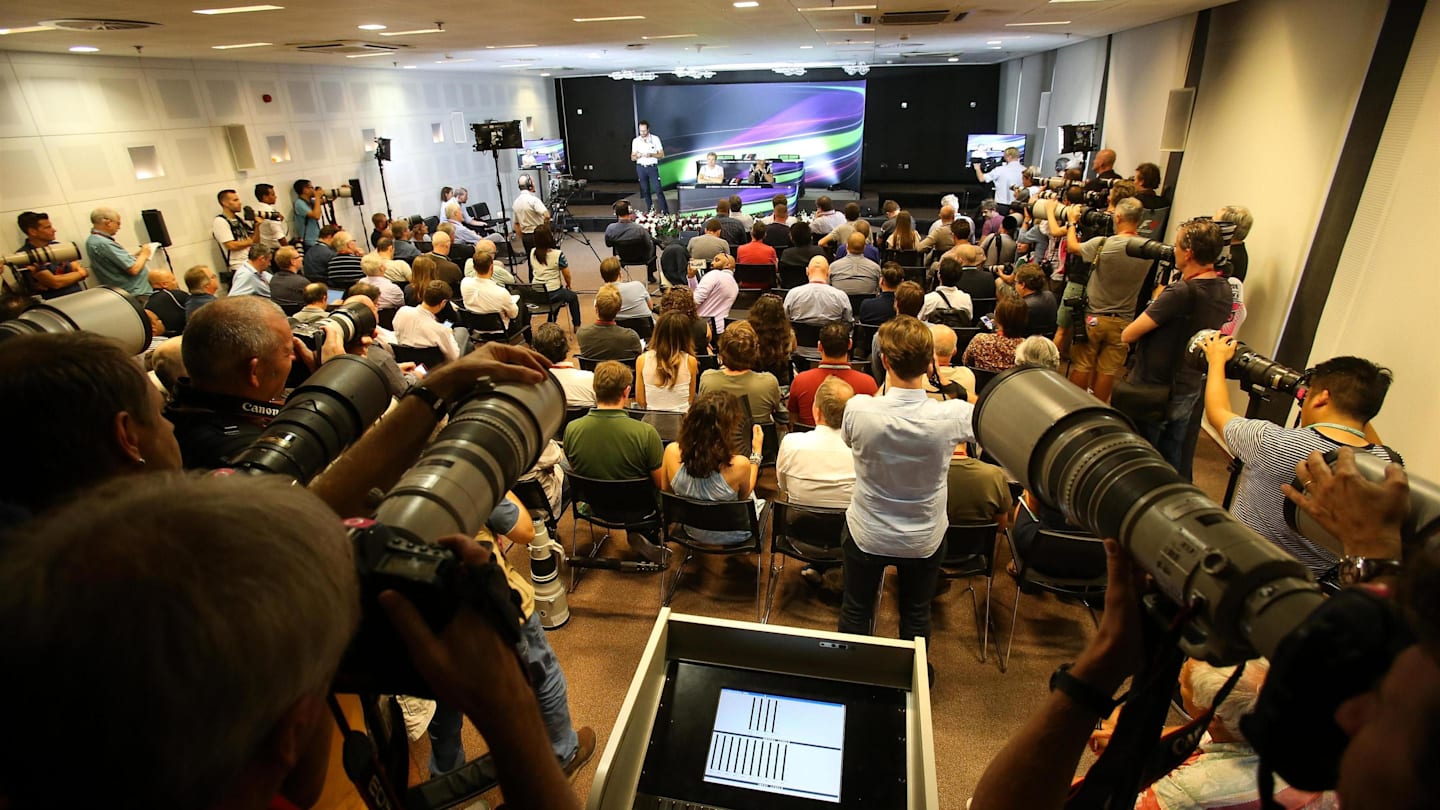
[[111, 264], [455, 216], [309, 202], [253, 277], [902, 442]]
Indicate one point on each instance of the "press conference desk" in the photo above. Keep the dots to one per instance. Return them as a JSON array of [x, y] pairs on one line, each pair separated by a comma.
[[701, 199]]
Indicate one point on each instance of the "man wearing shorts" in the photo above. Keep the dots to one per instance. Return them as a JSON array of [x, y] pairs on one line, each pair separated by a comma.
[[1113, 292]]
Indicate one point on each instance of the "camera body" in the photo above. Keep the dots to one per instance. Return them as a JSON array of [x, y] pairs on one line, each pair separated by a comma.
[[1254, 371], [353, 320], [274, 216], [1152, 250]]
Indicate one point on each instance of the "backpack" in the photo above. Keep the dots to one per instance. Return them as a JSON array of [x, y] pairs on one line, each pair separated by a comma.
[[948, 315]]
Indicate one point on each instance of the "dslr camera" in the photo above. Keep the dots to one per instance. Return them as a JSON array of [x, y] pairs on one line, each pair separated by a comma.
[[354, 320], [1254, 371]]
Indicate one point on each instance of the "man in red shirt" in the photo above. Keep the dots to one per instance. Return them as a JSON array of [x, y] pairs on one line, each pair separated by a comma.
[[756, 251], [834, 362]]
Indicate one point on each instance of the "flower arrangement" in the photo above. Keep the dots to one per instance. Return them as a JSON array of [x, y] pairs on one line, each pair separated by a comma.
[[669, 226]]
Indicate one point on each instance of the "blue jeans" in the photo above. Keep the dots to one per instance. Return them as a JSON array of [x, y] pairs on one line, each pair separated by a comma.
[[567, 296], [1168, 436], [649, 177], [446, 752]]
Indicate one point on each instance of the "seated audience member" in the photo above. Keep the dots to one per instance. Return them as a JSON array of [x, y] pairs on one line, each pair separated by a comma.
[[634, 296], [608, 445], [947, 374], [344, 268], [941, 236], [482, 295], [405, 249], [989, 218], [674, 264], [816, 467], [840, 234], [111, 264], [776, 338], [604, 339], [903, 443], [317, 303], [396, 270], [739, 349], [958, 219], [854, 274], [681, 300], [382, 227], [948, 304], [716, 292], [266, 739], [996, 351], [909, 298], [816, 301], [422, 273], [737, 210], [701, 467], [391, 296], [316, 263], [445, 268], [976, 492], [1000, 246], [756, 251], [871, 251], [287, 283], [834, 352], [548, 266], [379, 346], [420, 237], [904, 236], [794, 259], [253, 277], [667, 371], [1030, 516], [203, 283], [891, 209], [826, 218], [707, 245], [777, 227], [776, 216], [554, 345], [167, 301], [502, 274], [418, 327], [1038, 350], [730, 228], [168, 366], [1030, 283], [881, 308], [975, 279], [625, 235], [455, 218]]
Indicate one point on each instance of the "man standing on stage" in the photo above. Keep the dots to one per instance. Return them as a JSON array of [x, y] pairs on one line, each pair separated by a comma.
[[646, 151]]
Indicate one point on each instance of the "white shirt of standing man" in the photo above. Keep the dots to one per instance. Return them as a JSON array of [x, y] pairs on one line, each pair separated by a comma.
[[646, 150]]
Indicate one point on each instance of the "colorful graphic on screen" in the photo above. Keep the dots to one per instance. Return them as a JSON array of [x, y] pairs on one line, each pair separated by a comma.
[[990, 149], [822, 124], [549, 153]]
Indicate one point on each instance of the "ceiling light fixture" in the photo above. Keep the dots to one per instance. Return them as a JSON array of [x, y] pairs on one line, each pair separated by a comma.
[[366, 55], [634, 75], [953, 59], [997, 47], [84, 49], [238, 9], [839, 30], [789, 71], [851, 42], [608, 19], [671, 36], [806, 47], [857, 69], [452, 61], [372, 27], [439, 27], [241, 45], [992, 42], [746, 4], [506, 47], [1029, 24], [1074, 1], [543, 75], [839, 8], [407, 67], [27, 30]]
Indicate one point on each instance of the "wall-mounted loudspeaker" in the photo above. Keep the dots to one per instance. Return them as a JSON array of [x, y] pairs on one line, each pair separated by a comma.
[[357, 197], [1177, 120], [238, 139], [155, 226]]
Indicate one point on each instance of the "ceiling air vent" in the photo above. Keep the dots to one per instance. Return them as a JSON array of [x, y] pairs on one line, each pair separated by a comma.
[[909, 18], [99, 25], [346, 47]]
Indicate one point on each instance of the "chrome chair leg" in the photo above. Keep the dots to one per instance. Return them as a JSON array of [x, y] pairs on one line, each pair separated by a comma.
[[1015, 613], [679, 575], [773, 585]]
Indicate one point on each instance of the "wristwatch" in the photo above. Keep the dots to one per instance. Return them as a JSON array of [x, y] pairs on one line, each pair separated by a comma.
[[432, 400], [1356, 570], [1081, 693]]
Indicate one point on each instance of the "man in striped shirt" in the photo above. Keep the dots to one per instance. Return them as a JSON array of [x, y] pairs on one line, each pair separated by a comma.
[[1344, 394]]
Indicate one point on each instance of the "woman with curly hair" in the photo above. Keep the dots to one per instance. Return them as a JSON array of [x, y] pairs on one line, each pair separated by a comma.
[[739, 348], [667, 372], [681, 300], [700, 465], [777, 339]]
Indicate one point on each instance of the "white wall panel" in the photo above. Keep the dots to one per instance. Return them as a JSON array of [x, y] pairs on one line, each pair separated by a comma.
[[29, 181], [15, 118], [1145, 65], [1074, 92], [179, 99]]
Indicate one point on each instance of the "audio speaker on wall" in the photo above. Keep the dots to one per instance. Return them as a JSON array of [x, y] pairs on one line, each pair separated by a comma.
[[357, 196], [1177, 120], [238, 139], [155, 226]]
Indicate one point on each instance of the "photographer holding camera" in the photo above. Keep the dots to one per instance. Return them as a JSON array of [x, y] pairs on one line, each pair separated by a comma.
[[308, 208], [1343, 396], [48, 279], [232, 233]]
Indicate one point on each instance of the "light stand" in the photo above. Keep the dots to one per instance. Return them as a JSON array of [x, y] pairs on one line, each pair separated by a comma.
[[492, 136], [382, 154]]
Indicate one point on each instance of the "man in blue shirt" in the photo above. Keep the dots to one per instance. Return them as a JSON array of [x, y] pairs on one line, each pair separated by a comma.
[[903, 442], [253, 277], [113, 265], [309, 202], [47, 279], [202, 283]]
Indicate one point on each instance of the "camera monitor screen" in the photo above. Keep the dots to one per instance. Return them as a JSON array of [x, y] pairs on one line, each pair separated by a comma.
[[775, 744], [549, 153], [989, 149]]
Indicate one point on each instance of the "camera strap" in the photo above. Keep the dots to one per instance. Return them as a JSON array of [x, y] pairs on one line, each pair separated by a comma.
[[362, 764]]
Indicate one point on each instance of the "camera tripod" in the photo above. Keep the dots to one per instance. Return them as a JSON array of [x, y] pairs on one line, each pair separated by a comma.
[[564, 226]]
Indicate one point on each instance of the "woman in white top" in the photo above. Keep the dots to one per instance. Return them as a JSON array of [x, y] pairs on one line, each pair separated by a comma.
[[668, 371], [548, 266], [711, 172]]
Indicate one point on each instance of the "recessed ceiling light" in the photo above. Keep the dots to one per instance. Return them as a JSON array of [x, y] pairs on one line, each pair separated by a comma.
[[806, 47], [542, 75], [997, 47], [84, 49], [407, 67], [408, 33], [452, 61], [503, 47], [671, 36], [238, 9], [852, 42], [838, 8], [838, 30], [27, 30], [365, 55], [608, 19], [371, 27], [1027, 24], [992, 42], [745, 4], [241, 45], [953, 59]]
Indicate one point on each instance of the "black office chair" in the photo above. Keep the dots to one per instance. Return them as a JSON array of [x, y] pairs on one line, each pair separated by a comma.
[[1071, 566], [756, 276], [643, 327], [963, 336], [682, 515], [635, 252], [862, 340], [460, 253], [589, 363], [431, 223], [792, 276], [534, 300], [628, 505], [428, 356], [666, 423], [807, 335], [386, 318], [970, 551], [857, 300], [707, 362], [915, 273], [811, 534], [572, 412], [982, 378], [981, 306], [484, 326], [904, 258], [291, 309]]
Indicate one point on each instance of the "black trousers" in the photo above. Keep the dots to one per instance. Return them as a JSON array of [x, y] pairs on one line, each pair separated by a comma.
[[917, 577]]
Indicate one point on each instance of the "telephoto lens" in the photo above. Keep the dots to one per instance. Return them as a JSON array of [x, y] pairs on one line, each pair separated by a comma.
[[1150, 249], [322, 417], [1082, 457], [63, 252], [353, 319], [1252, 369], [338, 191], [1421, 524], [105, 311]]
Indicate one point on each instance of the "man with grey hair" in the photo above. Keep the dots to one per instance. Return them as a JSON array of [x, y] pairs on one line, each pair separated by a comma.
[[455, 215], [501, 273], [1038, 350], [344, 269], [113, 265], [253, 277], [391, 296], [245, 630], [816, 467], [1243, 221]]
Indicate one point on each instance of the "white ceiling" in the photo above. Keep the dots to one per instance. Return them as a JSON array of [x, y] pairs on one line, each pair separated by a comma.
[[485, 36]]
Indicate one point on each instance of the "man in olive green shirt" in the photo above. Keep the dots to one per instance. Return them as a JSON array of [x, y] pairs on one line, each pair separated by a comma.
[[608, 445]]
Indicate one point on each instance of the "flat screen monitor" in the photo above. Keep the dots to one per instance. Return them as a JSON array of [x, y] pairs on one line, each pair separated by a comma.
[[548, 153], [990, 149], [775, 744]]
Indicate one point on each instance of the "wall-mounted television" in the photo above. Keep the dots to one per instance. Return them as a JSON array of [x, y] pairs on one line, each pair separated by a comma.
[[547, 154], [989, 149]]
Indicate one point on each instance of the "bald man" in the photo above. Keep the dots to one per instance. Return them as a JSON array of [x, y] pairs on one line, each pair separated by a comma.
[[1104, 169], [816, 302], [854, 274], [168, 301], [445, 269]]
